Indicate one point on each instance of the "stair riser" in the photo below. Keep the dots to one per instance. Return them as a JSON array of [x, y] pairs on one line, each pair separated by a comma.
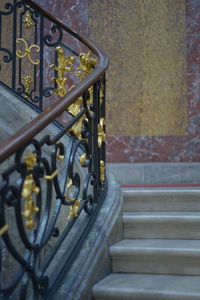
[[160, 205], [162, 201], [158, 246], [145, 296], [165, 230], [158, 263]]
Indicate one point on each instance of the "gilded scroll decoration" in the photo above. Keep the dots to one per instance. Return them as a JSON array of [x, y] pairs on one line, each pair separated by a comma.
[[102, 171], [65, 64], [59, 156], [30, 160], [4, 229], [74, 209], [75, 107], [101, 93], [28, 20], [27, 83], [82, 159], [90, 90], [52, 176], [87, 63], [76, 129], [101, 133], [29, 188], [67, 195], [27, 51]]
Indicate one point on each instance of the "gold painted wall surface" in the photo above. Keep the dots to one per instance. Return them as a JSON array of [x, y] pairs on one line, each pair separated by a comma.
[[145, 39]]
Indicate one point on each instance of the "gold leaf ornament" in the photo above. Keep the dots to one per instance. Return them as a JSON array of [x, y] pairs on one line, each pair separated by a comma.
[[74, 209], [27, 82], [27, 51], [87, 63], [30, 188], [30, 160], [65, 64], [102, 171], [101, 133], [28, 20]]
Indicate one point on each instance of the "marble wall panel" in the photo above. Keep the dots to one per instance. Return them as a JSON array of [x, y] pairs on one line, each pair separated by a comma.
[[73, 13], [146, 79], [167, 128]]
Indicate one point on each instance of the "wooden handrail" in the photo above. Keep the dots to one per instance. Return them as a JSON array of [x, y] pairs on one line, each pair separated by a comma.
[[15, 142]]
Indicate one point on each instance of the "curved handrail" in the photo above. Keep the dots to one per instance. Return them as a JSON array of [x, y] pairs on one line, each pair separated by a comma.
[[13, 143], [51, 176]]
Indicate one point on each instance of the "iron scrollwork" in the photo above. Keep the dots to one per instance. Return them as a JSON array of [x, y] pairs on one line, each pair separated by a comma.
[[9, 9], [48, 39], [26, 20], [34, 169], [55, 181], [8, 56]]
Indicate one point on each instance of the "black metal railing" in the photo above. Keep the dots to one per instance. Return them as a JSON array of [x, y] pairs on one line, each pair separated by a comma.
[[53, 175], [27, 47]]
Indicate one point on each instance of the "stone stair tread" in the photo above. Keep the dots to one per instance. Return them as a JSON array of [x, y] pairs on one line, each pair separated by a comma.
[[129, 245], [158, 190], [159, 257], [14, 114], [162, 214], [163, 192], [148, 287], [161, 199], [165, 216], [171, 213], [156, 256], [162, 225]]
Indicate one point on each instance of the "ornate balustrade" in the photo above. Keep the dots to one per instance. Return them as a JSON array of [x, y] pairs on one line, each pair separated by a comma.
[[53, 181]]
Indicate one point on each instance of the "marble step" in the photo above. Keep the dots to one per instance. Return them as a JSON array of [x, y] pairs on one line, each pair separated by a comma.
[[161, 199], [147, 287], [156, 256], [13, 113], [161, 224]]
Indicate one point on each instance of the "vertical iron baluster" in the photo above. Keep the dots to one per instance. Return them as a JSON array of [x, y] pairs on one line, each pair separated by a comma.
[[55, 71], [20, 61], [103, 115], [85, 98], [35, 67], [14, 45], [41, 62], [0, 29], [95, 154]]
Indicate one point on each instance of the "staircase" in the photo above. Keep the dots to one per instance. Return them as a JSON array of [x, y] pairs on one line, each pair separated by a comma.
[[159, 257], [14, 114]]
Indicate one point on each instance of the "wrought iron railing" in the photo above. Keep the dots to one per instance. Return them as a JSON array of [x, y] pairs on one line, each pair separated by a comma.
[[53, 168]]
